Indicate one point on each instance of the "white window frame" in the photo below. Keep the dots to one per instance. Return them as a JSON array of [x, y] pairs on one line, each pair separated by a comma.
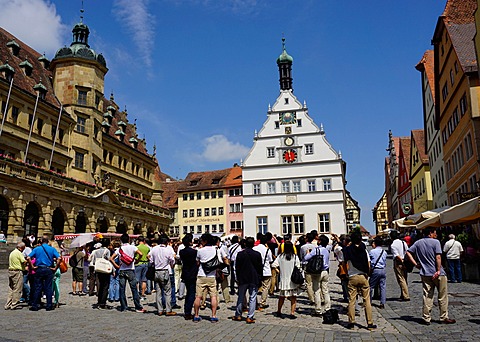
[[271, 188], [311, 185], [270, 152], [308, 148], [262, 224], [324, 222], [327, 184], [296, 186], [257, 189], [286, 186]]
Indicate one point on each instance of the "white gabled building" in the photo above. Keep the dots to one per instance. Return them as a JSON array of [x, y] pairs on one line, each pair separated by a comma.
[[293, 180]]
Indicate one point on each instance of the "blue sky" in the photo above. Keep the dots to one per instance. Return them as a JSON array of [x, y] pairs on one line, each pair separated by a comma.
[[198, 75]]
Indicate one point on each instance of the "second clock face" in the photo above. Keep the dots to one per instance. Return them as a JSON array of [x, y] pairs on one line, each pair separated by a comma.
[[290, 156], [288, 141]]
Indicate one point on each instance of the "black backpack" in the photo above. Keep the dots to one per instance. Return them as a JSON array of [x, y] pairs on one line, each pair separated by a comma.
[[73, 262], [315, 264], [330, 316]]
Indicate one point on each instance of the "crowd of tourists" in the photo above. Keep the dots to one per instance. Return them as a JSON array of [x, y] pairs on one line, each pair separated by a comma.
[[194, 269]]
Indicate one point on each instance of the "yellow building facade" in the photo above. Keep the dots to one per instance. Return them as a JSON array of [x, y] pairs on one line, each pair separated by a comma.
[[420, 174], [70, 162]]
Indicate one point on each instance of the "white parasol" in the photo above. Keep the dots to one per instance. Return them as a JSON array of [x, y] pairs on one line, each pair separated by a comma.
[[81, 240]]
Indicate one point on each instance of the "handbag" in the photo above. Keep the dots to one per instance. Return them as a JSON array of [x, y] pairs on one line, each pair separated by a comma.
[[103, 265], [63, 266], [297, 276], [342, 271], [315, 264], [212, 264]]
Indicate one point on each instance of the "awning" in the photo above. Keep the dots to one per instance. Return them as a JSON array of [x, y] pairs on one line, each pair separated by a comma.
[[466, 212]]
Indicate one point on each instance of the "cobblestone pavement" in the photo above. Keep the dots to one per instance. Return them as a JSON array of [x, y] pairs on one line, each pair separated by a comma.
[[399, 321]]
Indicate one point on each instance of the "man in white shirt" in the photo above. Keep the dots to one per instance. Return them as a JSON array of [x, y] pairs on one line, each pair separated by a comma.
[[163, 258], [127, 273], [206, 281], [453, 249], [267, 259], [399, 249]]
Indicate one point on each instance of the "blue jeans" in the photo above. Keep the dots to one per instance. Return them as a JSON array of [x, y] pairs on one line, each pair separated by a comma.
[[455, 269], [190, 286], [378, 277], [26, 289], [43, 283], [114, 288], [124, 276], [252, 305]]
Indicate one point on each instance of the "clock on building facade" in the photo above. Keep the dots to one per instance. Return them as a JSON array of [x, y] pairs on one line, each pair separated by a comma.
[[288, 118], [290, 156]]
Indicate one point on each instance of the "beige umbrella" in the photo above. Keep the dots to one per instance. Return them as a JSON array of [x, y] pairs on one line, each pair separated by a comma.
[[465, 212]]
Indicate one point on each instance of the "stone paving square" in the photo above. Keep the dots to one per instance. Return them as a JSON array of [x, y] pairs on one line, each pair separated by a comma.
[[400, 321]]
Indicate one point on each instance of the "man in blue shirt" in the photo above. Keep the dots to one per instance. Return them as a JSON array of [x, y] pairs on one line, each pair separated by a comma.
[[429, 254], [320, 281], [47, 261], [378, 276]]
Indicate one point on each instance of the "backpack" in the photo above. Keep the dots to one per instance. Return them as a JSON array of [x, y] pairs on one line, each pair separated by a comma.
[[315, 264], [73, 261], [125, 258], [330, 316]]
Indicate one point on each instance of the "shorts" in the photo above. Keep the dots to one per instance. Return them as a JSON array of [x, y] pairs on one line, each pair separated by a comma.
[[77, 274], [207, 285], [141, 272]]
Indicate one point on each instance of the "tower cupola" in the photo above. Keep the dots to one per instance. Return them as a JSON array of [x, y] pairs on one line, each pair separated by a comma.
[[284, 62]]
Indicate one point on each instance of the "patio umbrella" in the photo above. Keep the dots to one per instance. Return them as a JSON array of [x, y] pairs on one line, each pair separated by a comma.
[[81, 240], [462, 213]]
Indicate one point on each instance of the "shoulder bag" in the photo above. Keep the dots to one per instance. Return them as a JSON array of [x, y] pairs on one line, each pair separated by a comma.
[[103, 265], [375, 264], [297, 276]]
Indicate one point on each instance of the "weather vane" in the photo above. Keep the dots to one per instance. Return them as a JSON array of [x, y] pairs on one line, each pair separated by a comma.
[[81, 13]]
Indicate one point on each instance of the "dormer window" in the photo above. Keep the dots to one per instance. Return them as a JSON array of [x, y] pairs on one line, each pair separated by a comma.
[[14, 47], [120, 134], [26, 67], [286, 100], [216, 181], [133, 142], [7, 71], [193, 183], [41, 90], [44, 60]]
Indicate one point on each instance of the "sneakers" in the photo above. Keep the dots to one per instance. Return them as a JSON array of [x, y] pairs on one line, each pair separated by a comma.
[[371, 327], [141, 310], [143, 298], [250, 320], [448, 321], [214, 319]]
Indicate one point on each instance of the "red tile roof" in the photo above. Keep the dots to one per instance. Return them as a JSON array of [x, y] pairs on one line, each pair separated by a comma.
[[20, 80], [170, 195], [234, 177], [460, 11], [426, 64], [205, 180], [418, 136]]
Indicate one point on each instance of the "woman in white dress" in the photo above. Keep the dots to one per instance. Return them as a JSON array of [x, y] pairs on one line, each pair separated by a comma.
[[285, 263]]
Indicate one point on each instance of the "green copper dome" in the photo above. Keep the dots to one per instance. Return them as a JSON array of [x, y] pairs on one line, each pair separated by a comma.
[[284, 57]]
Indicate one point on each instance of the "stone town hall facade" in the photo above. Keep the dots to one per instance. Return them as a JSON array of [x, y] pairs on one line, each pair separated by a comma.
[[293, 180], [70, 161]]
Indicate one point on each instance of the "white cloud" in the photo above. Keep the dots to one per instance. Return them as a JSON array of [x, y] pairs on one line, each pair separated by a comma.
[[35, 22], [135, 15], [218, 148]]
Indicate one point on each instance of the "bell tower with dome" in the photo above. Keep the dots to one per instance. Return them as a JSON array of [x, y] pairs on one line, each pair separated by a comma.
[[78, 80]]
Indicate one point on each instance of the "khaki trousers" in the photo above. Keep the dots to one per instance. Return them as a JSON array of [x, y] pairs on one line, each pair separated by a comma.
[[429, 286], [401, 276], [309, 285], [358, 284], [264, 288], [15, 287], [273, 283], [320, 292]]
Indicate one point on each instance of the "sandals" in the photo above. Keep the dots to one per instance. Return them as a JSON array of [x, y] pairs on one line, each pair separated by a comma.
[[197, 319], [214, 319]]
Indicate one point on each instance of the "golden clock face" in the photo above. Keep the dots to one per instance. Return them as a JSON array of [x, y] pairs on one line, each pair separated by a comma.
[[288, 118], [288, 141], [290, 156]]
